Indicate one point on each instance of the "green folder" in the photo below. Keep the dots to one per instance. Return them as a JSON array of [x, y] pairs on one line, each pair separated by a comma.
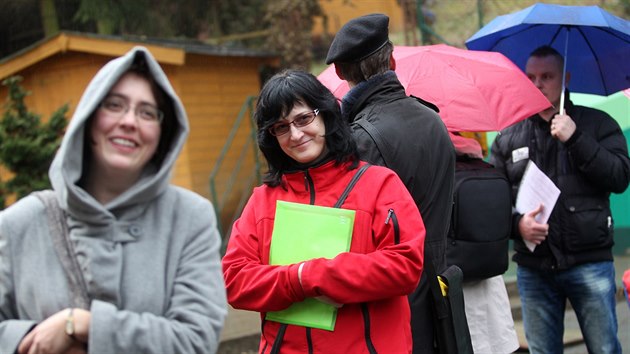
[[302, 232]]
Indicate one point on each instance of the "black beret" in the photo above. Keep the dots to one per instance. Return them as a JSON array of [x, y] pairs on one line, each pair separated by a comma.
[[359, 38]]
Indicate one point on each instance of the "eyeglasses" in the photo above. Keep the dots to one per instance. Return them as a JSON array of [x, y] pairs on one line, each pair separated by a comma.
[[303, 120], [118, 106]]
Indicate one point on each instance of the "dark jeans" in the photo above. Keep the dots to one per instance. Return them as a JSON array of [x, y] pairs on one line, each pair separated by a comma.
[[589, 287]]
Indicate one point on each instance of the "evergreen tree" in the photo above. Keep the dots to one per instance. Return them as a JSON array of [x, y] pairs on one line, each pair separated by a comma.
[[27, 146], [290, 24]]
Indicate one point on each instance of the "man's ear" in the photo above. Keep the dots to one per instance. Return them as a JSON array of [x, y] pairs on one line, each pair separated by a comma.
[[338, 72], [567, 78], [392, 62]]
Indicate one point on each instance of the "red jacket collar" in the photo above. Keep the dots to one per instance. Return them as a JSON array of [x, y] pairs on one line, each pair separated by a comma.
[[322, 176]]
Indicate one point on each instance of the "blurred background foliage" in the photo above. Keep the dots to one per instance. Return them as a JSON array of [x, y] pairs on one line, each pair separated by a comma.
[[283, 26], [27, 145]]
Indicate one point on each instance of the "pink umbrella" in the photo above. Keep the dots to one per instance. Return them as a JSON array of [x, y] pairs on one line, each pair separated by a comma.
[[475, 91]]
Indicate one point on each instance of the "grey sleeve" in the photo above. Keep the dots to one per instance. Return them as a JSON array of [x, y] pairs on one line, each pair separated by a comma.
[[12, 330], [193, 321]]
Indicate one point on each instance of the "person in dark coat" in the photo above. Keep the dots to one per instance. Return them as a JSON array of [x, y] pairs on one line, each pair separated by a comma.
[[583, 151], [407, 135]]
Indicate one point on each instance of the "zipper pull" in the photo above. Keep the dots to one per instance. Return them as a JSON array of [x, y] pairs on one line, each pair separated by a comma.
[[389, 216], [306, 181]]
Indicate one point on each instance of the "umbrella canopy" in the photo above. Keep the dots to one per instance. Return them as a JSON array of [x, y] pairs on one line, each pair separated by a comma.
[[475, 91], [596, 44]]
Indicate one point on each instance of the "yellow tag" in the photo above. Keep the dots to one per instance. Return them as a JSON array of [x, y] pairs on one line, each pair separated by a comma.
[[443, 286]]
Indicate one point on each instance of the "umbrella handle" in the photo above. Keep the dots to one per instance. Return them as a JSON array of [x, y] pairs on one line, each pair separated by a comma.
[[564, 72], [561, 109]]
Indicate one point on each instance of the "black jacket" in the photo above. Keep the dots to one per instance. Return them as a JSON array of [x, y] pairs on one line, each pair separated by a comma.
[[417, 147], [586, 168], [411, 139]]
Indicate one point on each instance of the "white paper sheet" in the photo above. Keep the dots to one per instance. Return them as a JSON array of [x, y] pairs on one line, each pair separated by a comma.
[[535, 189]]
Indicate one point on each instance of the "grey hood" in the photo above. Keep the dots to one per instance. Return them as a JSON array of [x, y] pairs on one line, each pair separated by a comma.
[[67, 167]]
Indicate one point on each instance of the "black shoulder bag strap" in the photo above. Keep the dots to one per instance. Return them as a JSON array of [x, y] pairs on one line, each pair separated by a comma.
[[58, 228], [376, 136], [283, 327], [452, 334], [350, 185]]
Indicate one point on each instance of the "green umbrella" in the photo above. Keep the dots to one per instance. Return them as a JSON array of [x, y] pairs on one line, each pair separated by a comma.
[[617, 105]]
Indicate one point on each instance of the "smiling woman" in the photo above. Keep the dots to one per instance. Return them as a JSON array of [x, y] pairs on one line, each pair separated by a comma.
[[123, 140], [312, 159], [303, 138], [132, 262]]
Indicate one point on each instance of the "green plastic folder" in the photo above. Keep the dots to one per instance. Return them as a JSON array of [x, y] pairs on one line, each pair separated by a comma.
[[302, 232]]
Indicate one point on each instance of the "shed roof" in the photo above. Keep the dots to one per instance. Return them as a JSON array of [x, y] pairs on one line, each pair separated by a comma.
[[168, 51]]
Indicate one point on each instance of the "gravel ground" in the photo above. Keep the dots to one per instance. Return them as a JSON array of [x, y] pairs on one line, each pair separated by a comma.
[[244, 345]]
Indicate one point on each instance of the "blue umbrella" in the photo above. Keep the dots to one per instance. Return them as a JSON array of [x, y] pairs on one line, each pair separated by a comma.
[[595, 44]]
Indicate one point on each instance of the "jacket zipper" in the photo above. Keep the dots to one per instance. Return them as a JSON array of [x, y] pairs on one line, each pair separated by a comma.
[[391, 215], [309, 186]]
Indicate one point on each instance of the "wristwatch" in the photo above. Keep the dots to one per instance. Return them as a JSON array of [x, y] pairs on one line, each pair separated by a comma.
[[70, 324]]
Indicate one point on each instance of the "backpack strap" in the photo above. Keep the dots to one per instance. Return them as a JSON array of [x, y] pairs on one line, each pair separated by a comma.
[[379, 141], [453, 277], [58, 228], [452, 334], [350, 185]]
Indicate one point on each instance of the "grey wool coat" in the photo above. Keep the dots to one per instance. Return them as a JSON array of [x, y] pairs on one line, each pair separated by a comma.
[[150, 257]]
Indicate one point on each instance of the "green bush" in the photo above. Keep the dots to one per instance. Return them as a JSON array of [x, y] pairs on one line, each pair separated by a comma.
[[27, 146]]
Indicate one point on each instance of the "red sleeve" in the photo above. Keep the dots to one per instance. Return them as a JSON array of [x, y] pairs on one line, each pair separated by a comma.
[[251, 283], [391, 269]]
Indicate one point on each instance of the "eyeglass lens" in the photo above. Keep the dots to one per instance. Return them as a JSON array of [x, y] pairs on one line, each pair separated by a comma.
[[118, 106], [299, 121]]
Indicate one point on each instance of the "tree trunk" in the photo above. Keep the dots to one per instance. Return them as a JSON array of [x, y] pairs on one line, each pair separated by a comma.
[[49, 17]]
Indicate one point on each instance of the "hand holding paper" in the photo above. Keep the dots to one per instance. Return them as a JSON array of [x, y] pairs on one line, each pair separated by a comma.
[[537, 196], [532, 231]]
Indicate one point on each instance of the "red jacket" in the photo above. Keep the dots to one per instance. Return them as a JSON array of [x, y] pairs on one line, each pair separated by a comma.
[[371, 280]]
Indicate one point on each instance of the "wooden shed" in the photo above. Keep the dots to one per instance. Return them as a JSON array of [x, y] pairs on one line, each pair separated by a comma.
[[338, 12], [213, 83]]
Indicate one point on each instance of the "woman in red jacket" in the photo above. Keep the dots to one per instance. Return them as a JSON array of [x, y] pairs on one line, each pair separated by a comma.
[[312, 158]]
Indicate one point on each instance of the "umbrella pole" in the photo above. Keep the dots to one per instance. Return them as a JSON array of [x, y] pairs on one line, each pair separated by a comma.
[[564, 72]]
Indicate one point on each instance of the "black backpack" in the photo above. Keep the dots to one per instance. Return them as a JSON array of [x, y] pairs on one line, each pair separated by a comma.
[[481, 220]]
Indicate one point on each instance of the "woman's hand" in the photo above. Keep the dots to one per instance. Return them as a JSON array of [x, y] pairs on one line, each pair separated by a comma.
[[50, 336]]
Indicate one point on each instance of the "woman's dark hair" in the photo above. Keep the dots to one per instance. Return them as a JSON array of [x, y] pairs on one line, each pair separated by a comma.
[[276, 100]]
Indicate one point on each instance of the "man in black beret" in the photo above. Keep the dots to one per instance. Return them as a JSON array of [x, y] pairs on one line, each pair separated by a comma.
[[403, 133], [359, 38]]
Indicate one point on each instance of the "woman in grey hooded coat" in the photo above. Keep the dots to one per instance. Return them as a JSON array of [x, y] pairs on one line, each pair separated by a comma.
[[147, 276]]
